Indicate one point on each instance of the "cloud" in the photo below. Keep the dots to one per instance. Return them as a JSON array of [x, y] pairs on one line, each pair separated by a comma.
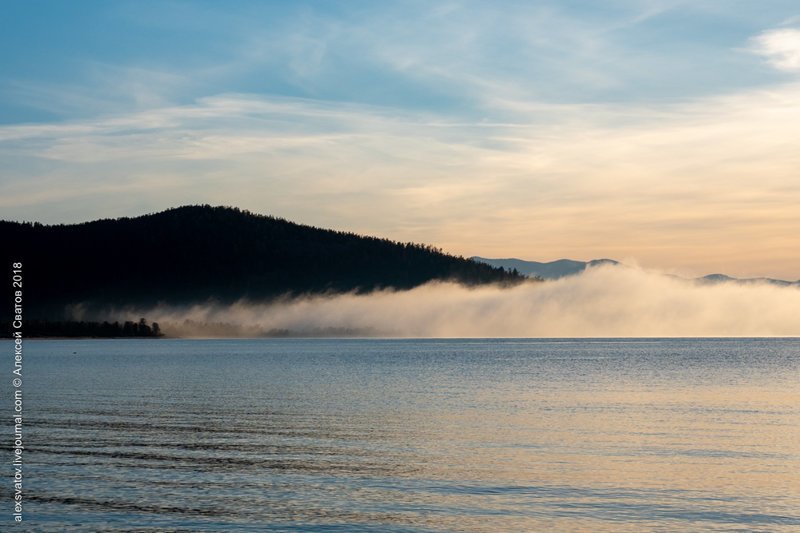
[[780, 47], [602, 302]]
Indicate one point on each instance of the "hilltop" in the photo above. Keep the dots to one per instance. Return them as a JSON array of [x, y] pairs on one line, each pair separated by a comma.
[[198, 253]]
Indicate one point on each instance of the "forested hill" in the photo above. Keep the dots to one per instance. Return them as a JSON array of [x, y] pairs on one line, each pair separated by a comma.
[[196, 253]]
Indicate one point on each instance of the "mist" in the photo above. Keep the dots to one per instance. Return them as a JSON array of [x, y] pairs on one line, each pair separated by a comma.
[[607, 301]]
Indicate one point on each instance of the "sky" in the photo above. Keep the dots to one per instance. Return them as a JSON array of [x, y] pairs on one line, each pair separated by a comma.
[[662, 133]]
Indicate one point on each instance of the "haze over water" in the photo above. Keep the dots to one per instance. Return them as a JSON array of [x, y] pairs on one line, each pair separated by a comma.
[[413, 435]]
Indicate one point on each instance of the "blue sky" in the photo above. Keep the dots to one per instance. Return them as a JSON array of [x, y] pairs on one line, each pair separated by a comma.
[[659, 131], [409, 55]]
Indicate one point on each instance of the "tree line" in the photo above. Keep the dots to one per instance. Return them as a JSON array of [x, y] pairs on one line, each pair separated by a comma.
[[75, 328]]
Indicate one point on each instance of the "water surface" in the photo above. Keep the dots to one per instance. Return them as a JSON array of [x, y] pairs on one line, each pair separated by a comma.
[[412, 435]]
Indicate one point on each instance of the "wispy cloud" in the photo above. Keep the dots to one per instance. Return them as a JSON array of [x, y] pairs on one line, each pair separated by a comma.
[[780, 47]]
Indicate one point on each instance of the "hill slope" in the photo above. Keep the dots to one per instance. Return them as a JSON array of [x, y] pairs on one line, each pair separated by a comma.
[[195, 253]]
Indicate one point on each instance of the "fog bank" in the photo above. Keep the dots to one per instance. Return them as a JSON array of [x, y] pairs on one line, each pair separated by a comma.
[[607, 301]]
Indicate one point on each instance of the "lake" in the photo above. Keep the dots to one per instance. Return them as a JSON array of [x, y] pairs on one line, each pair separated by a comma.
[[410, 435]]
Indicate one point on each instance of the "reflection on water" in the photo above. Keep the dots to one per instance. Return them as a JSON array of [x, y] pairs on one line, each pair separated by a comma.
[[404, 435]]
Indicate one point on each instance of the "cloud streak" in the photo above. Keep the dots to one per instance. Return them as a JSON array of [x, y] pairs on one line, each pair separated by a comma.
[[780, 47], [605, 301]]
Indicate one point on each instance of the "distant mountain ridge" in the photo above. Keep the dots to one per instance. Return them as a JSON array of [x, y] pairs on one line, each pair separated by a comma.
[[567, 267], [552, 270], [723, 278], [194, 254]]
